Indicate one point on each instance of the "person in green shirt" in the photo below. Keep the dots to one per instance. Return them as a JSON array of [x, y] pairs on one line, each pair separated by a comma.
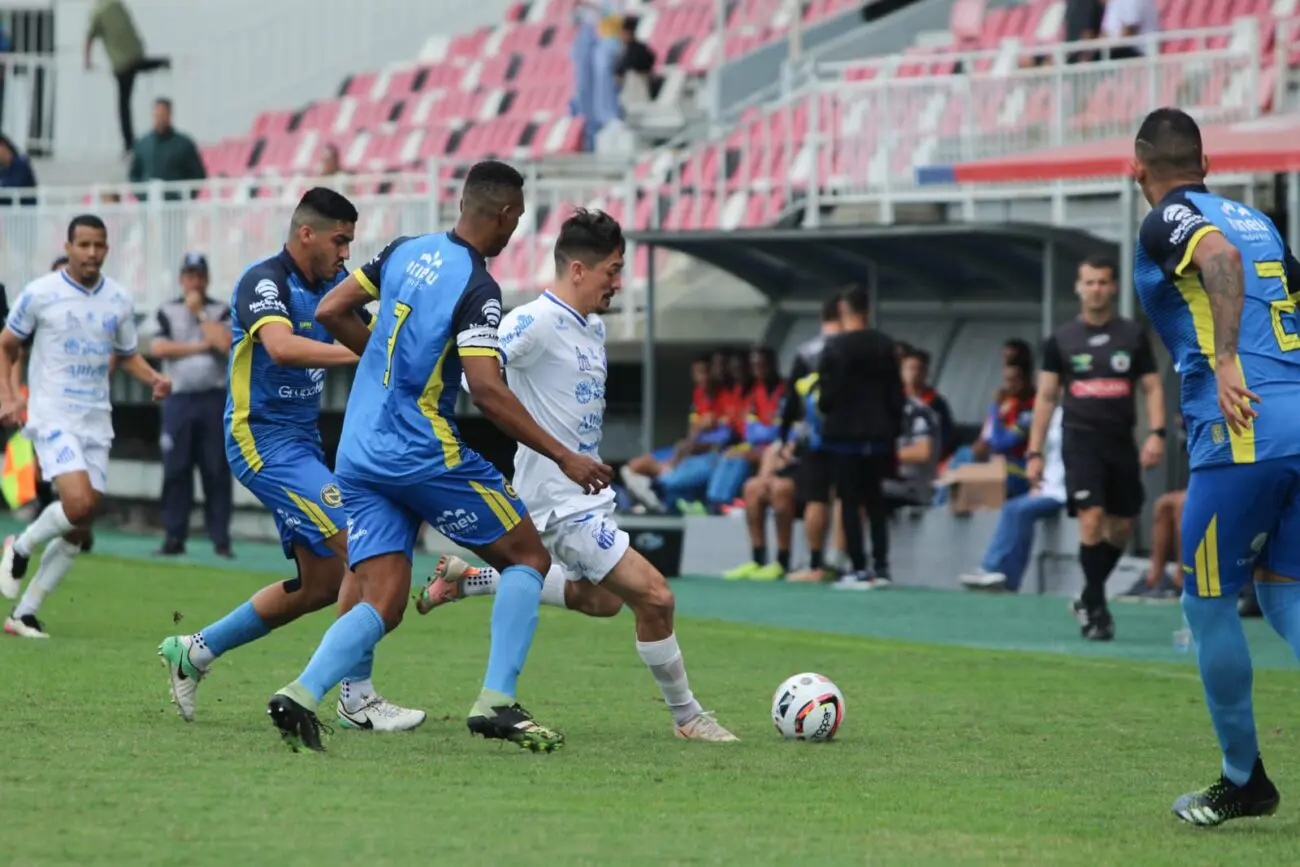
[[110, 22]]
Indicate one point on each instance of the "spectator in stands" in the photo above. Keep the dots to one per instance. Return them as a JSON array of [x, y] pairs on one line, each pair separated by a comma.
[[1007, 556], [862, 407], [1006, 431], [915, 366], [1082, 24], [1127, 19], [193, 341], [637, 59], [685, 483], [330, 164], [15, 171], [758, 422], [166, 154], [918, 458], [110, 21], [1017, 351], [640, 474]]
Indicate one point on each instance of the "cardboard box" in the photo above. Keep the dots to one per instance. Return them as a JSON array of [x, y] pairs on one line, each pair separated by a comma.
[[977, 486]]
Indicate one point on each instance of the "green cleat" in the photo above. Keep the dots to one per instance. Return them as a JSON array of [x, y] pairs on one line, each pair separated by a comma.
[[770, 572], [183, 674], [743, 572], [513, 723]]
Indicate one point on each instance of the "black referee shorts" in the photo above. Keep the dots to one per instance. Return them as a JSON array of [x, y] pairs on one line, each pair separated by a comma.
[[1105, 471]]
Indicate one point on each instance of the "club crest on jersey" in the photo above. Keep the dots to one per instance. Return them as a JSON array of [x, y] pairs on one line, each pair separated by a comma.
[[331, 496], [510, 491], [1120, 362]]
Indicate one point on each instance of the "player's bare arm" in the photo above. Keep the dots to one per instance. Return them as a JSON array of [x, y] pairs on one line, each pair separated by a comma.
[[1153, 449], [1219, 263], [289, 350], [496, 401], [12, 405], [339, 312], [135, 366], [1049, 386]]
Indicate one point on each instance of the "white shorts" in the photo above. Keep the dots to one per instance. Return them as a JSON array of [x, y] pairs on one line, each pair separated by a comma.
[[588, 545], [62, 452]]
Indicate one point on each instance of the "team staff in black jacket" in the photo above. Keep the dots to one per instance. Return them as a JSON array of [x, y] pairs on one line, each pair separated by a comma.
[[862, 410]]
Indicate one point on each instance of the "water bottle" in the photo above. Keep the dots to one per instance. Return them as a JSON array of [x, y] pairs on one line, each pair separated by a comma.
[[1183, 637]]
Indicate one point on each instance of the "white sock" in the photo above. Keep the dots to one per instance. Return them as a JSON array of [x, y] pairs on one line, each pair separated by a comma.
[[200, 654], [664, 659], [355, 692], [56, 560], [486, 581], [48, 525]]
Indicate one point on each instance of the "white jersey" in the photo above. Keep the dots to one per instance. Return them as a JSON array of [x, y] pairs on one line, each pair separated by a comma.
[[75, 332], [556, 365]]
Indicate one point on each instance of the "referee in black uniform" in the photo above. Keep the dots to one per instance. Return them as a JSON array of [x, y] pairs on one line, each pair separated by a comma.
[[862, 410], [1097, 360]]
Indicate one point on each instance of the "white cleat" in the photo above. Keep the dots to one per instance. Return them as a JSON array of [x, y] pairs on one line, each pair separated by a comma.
[[26, 626], [981, 580], [444, 583], [379, 714], [183, 674], [9, 585], [704, 727]]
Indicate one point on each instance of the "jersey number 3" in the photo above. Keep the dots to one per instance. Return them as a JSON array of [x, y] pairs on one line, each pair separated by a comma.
[[1283, 311], [401, 311]]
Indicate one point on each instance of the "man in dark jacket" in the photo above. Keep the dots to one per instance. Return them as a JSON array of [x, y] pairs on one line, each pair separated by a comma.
[[165, 154], [862, 408]]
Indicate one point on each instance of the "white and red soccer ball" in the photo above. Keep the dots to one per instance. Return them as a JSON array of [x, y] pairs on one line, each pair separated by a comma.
[[808, 707]]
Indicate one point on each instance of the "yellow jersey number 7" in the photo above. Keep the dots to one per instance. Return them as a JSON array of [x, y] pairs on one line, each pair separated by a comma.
[[1283, 309], [401, 311]]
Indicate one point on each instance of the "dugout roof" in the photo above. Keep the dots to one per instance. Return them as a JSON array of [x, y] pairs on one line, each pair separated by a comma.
[[915, 262]]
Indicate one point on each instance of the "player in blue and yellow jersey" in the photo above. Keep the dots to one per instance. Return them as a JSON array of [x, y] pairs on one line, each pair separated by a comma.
[[1213, 276], [278, 359], [401, 460]]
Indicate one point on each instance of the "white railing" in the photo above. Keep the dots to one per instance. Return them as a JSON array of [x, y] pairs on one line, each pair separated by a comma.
[[236, 222], [27, 88]]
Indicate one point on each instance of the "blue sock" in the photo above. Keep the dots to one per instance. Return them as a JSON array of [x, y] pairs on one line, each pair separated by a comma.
[[352, 637], [514, 620], [1224, 659], [1281, 606], [361, 671], [239, 627]]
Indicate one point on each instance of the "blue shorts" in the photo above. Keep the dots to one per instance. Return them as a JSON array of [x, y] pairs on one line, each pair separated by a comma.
[[1239, 517], [664, 455], [471, 504], [302, 494]]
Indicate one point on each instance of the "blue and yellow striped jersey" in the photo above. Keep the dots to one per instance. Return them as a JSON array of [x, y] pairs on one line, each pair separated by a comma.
[[1170, 290], [268, 405], [437, 305]]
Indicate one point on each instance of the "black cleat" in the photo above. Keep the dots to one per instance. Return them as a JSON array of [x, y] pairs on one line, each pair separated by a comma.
[[1224, 800], [299, 727], [513, 723], [1094, 625]]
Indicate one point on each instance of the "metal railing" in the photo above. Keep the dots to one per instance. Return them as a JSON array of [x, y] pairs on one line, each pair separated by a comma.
[[27, 90]]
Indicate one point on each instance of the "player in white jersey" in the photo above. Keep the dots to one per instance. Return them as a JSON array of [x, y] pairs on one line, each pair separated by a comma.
[[553, 350], [78, 320]]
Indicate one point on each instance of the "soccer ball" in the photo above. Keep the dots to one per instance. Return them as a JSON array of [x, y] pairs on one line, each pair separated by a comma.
[[808, 707]]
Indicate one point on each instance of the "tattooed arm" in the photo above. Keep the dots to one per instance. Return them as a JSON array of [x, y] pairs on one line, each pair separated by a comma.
[[1220, 265]]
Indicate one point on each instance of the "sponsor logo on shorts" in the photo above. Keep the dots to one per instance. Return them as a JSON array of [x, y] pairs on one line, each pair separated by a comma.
[[288, 519], [451, 523], [331, 496], [353, 532], [65, 454]]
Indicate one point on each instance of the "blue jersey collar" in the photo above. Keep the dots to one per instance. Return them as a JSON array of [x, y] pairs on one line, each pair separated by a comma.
[[574, 313], [75, 285], [291, 266]]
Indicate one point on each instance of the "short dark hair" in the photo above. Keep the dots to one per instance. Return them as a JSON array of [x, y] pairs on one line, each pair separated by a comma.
[[59, 263], [1101, 261], [163, 100], [1020, 350], [1169, 144], [919, 354], [90, 221], [487, 186], [321, 207], [588, 237], [630, 24], [856, 298], [831, 309]]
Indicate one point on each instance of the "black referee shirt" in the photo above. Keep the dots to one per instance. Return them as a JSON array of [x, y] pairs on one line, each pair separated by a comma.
[[1098, 366]]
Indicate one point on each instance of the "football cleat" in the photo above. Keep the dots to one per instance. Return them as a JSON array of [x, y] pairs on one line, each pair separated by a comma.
[[704, 727], [379, 714], [299, 727], [184, 675], [26, 626], [443, 585], [13, 567], [1223, 800], [513, 723]]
